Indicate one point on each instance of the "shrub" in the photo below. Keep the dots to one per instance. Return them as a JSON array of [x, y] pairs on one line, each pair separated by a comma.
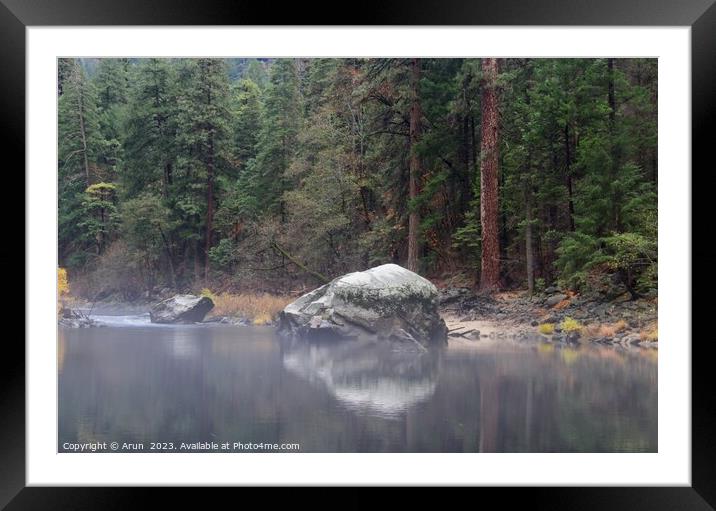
[[617, 262], [546, 328], [63, 287], [571, 325]]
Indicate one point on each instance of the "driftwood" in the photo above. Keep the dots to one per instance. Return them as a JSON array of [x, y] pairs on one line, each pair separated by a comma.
[[454, 333]]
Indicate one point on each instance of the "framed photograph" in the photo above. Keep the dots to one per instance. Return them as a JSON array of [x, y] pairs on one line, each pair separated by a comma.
[[419, 251]]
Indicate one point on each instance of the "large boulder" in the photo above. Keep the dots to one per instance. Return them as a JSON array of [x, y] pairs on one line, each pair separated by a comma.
[[181, 309], [387, 302]]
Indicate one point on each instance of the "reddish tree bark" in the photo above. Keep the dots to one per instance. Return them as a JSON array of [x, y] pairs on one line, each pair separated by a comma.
[[489, 171], [415, 171]]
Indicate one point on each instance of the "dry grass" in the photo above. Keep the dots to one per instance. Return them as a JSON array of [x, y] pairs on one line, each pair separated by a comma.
[[650, 333], [259, 308], [597, 330], [611, 329], [592, 331], [561, 305]]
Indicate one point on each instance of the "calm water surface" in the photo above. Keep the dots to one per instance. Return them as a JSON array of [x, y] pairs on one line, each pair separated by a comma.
[[140, 383]]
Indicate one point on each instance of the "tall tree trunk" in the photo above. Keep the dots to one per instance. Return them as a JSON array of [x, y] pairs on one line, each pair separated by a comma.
[[209, 204], [415, 170], [489, 171]]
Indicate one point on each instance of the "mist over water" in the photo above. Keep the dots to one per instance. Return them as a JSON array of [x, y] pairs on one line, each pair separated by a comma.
[[135, 382]]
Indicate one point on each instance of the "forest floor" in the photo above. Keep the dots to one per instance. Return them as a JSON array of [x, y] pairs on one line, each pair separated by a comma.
[[554, 316]]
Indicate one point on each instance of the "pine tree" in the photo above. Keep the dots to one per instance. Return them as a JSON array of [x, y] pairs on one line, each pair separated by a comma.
[[204, 133], [151, 128], [277, 140], [246, 111], [79, 144]]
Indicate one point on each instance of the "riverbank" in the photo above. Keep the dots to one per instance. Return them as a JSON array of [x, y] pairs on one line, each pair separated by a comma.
[[552, 316]]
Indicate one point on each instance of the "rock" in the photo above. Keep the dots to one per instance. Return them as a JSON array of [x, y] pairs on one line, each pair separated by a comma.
[[453, 294], [79, 323], [551, 290], [181, 309], [555, 299], [573, 337], [387, 302], [631, 339]]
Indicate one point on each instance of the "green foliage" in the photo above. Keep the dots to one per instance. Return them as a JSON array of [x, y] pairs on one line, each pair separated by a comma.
[[277, 138], [468, 237], [246, 105], [307, 161], [100, 218]]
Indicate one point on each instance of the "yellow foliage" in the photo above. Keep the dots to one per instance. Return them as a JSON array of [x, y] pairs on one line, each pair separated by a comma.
[[571, 325], [546, 328], [63, 286], [207, 292]]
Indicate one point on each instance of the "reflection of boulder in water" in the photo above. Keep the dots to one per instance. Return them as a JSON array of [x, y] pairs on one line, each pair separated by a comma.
[[366, 377]]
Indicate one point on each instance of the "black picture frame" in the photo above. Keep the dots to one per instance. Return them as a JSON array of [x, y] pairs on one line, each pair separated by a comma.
[[700, 15]]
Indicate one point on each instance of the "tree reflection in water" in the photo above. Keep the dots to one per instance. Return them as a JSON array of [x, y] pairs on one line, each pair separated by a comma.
[[220, 383]]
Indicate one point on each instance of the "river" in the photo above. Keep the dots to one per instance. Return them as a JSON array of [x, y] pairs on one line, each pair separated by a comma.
[[184, 388]]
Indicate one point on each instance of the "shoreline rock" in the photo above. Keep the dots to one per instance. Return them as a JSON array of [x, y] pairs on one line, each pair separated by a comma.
[[181, 309]]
